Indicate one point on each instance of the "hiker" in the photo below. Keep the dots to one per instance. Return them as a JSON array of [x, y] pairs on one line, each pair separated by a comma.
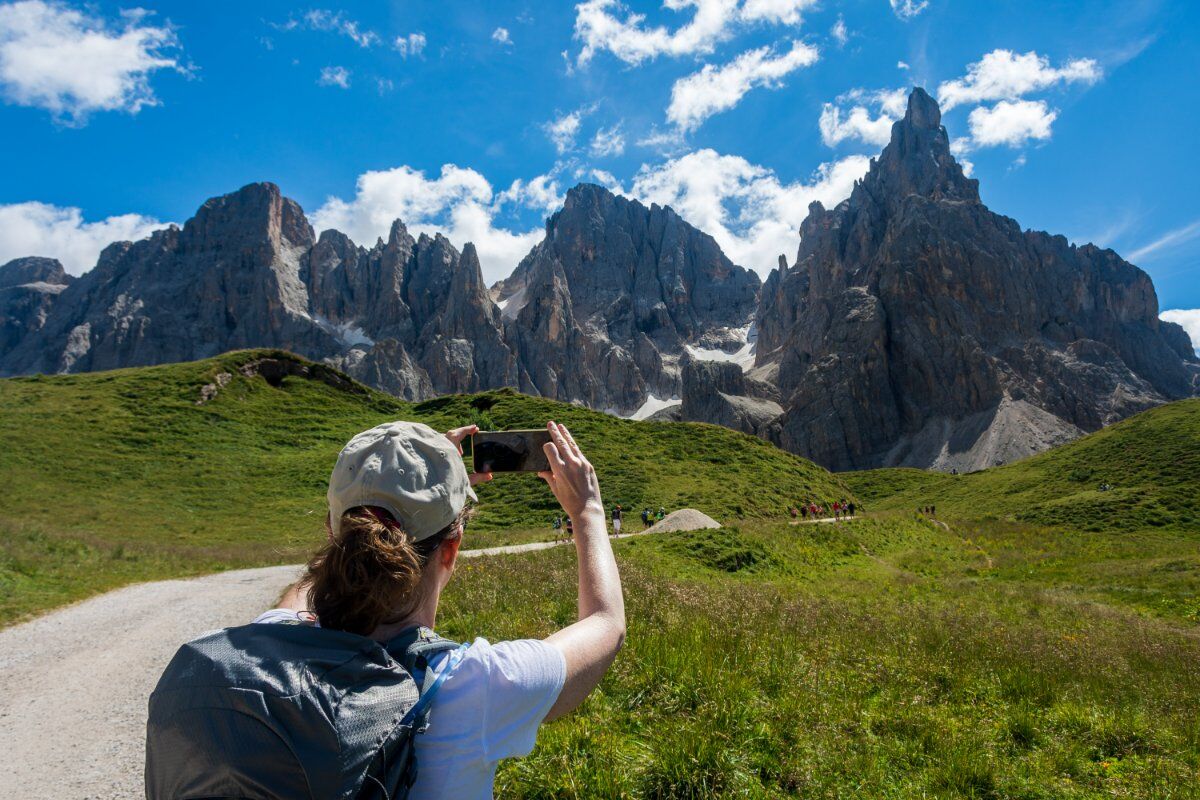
[[803, 512], [570, 530], [933, 511], [645, 518], [662, 512], [852, 507], [793, 512], [557, 527], [616, 517], [319, 697]]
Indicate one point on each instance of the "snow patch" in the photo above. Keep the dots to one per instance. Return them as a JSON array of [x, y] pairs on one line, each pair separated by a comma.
[[743, 356], [512, 305], [653, 405], [348, 334]]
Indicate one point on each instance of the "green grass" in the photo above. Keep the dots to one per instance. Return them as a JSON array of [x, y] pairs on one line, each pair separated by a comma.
[[120, 476], [837, 662], [1042, 645], [1151, 460]]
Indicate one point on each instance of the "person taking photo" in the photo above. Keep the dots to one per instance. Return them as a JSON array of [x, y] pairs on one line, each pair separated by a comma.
[[345, 690]]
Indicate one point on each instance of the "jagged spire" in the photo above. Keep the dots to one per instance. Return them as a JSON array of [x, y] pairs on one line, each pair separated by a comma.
[[917, 160]]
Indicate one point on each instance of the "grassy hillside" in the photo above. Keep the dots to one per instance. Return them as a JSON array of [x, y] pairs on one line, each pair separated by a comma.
[[119, 476], [889, 658], [1151, 461]]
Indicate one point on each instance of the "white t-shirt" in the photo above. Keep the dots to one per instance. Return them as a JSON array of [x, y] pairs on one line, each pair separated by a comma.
[[489, 708]]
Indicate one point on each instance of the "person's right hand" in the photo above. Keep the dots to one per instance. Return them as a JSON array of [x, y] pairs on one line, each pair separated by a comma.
[[571, 476]]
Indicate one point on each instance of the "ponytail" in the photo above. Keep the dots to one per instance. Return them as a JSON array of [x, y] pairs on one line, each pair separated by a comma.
[[370, 573]]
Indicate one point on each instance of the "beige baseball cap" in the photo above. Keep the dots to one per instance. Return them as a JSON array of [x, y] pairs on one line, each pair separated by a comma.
[[407, 468]]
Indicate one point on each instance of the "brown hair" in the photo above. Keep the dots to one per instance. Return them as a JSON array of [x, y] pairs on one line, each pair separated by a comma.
[[370, 573]]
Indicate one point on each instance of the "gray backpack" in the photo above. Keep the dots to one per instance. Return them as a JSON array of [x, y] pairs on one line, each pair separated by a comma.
[[280, 712]]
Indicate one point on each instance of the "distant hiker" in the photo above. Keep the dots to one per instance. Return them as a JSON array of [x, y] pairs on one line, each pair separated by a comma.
[[645, 518], [812, 510], [342, 691], [570, 529], [662, 512], [851, 507], [933, 511], [803, 512], [616, 518], [793, 512], [557, 527]]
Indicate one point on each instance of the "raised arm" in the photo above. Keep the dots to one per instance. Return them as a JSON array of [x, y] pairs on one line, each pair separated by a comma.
[[589, 645]]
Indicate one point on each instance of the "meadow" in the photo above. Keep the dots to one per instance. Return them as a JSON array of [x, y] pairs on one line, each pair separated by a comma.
[[1001, 650]]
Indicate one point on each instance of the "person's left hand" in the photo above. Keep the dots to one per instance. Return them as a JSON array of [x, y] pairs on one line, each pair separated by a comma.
[[456, 437]]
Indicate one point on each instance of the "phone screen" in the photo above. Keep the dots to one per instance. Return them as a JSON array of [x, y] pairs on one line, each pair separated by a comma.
[[509, 451]]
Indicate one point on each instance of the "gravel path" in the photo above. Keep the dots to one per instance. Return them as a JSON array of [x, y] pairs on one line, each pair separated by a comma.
[[75, 682]]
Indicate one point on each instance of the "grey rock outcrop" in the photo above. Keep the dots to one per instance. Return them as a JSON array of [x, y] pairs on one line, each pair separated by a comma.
[[720, 392], [29, 288], [919, 328], [601, 310]]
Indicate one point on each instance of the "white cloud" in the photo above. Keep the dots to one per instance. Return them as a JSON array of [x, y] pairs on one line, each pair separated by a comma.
[[334, 76], [459, 202], [606, 25], [411, 45], [752, 214], [839, 32], [785, 12], [1167, 241], [563, 129], [857, 124], [608, 142], [320, 19], [40, 229], [668, 142], [907, 9], [1189, 318], [1005, 75], [72, 64], [902, 65], [608, 181], [714, 89], [1011, 122], [837, 124], [501, 35], [541, 193]]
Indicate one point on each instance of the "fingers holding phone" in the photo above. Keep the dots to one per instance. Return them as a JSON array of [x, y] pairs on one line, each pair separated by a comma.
[[571, 476]]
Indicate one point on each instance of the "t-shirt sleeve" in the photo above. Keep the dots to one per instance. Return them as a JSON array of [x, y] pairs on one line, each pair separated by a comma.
[[525, 677]]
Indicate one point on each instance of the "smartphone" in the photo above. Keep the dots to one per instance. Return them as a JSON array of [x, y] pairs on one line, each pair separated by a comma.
[[509, 451]]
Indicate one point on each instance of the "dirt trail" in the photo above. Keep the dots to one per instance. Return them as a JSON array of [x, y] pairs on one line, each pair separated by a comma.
[[74, 683]]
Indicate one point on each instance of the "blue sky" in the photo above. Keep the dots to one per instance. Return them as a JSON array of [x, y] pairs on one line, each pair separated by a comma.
[[475, 117]]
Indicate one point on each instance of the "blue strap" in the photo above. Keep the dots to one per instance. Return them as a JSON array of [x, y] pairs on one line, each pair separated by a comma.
[[425, 699]]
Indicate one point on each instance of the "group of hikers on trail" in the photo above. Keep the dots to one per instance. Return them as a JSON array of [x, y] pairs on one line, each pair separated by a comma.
[[839, 510], [929, 511], [562, 526]]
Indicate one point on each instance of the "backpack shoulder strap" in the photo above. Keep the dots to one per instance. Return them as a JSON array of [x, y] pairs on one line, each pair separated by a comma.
[[414, 648]]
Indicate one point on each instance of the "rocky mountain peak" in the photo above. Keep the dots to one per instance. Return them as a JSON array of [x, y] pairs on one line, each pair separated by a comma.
[[918, 160], [33, 269], [921, 329], [257, 215]]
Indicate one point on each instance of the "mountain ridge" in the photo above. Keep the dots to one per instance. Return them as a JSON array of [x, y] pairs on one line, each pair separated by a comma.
[[916, 327]]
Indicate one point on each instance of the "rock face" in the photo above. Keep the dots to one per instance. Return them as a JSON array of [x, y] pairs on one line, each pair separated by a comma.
[[720, 392], [603, 307], [28, 289], [409, 316], [919, 328]]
